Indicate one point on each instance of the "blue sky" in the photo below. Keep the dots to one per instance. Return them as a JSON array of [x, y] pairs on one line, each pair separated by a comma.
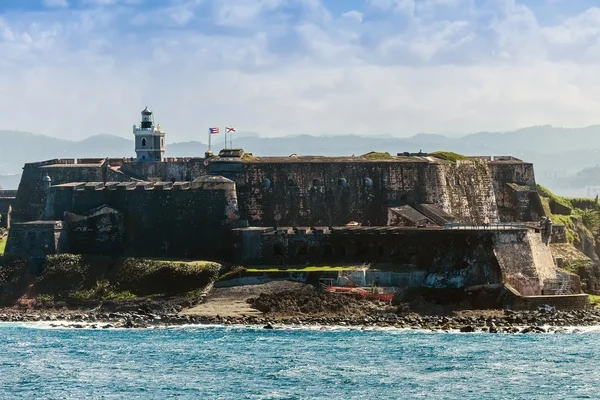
[[74, 68]]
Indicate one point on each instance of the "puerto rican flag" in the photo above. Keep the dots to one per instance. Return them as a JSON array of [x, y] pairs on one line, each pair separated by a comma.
[[213, 131]]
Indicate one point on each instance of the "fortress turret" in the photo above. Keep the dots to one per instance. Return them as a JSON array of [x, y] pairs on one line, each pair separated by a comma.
[[149, 139]]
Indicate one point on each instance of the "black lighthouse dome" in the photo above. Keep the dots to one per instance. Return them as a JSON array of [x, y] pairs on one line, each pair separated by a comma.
[[147, 120]]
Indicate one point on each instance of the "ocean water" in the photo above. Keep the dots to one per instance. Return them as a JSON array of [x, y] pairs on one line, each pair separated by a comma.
[[252, 363]]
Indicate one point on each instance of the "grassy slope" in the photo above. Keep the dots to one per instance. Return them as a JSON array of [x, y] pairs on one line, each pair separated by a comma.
[[449, 156]]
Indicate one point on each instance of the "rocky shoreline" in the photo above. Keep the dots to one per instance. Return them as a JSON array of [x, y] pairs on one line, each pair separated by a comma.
[[510, 322]]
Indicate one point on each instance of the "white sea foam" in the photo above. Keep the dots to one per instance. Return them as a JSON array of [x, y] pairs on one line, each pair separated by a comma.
[[62, 325]]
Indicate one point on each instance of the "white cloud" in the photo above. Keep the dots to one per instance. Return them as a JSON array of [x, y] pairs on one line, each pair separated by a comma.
[[290, 66], [56, 3], [357, 15]]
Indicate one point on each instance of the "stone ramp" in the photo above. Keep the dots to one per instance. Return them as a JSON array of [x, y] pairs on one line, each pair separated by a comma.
[[231, 301]]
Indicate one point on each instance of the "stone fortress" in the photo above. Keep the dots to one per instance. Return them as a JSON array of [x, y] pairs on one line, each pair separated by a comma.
[[436, 222]]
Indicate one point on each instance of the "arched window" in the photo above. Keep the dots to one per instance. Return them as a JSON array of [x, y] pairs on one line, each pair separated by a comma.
[[317, 182], [342, 182], [368, 182], [267, 184], [143, 142]]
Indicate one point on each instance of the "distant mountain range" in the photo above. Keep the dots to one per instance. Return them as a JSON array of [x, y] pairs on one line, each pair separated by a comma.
[[549, 148]]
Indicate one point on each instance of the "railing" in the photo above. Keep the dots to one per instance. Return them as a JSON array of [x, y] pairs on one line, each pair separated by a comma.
[[497, 226]]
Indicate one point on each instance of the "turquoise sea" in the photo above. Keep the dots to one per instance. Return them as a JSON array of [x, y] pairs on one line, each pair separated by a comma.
[[252, 363]]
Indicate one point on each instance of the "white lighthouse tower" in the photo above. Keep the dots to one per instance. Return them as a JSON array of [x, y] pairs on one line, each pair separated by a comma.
[[149, 139]]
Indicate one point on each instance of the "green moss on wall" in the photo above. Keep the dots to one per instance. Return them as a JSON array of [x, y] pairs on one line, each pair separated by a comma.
[[378, 156], [449, 156]]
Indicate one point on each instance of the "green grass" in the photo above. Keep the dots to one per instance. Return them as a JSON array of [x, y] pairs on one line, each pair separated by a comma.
[[588, 210], [308, 268], [378, 156], [449, 156], [594, 300], [3, 245], [554, 198]]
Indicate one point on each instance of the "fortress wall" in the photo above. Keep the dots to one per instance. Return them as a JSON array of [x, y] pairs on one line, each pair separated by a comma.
[[310, 194], [306, 193], [526, 263], [447, 258], [156, 223], [514, 205], [466, 191], [31, 197], [181, 170], [36, 239]]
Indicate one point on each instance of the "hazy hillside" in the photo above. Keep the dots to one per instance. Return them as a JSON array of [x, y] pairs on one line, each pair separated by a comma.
[[558, 151]]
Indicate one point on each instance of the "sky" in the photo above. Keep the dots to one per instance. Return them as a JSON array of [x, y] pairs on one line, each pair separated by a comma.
[[75, 68]]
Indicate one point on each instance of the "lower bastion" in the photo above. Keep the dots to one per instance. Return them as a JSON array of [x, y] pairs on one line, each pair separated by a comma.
[[410, 221]]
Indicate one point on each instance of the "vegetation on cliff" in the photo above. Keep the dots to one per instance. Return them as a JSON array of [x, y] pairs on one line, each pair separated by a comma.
[[569, 212], [449, 156], [581, 219], [70, 277]]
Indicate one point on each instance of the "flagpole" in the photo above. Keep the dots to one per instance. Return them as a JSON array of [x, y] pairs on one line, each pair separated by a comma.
[[209, 135], [225, 137]]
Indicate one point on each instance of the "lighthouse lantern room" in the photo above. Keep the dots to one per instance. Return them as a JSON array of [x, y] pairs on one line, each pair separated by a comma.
[[149, 139]]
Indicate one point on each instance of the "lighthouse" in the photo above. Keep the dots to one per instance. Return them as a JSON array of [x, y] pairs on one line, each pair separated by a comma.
[[149, 139]]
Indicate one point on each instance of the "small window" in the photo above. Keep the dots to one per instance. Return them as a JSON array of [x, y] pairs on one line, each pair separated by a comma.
[[277, 250], [143, 157], [144, 142], [317, 182], [368, 182], [342, 182], [267, 184]]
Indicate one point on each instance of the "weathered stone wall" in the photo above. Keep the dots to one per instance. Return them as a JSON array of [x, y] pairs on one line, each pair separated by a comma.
[[323, 193], [180, 170], [184, 223], [532, 303], [450, 258], [515, 191], [283, 192], [525, 261], [31, 196], [37, 239]]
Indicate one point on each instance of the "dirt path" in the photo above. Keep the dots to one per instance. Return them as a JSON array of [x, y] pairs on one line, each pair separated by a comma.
[[231, 302]]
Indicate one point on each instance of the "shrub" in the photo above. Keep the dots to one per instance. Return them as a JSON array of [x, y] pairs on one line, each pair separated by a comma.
[[62, 273], [145, 277]]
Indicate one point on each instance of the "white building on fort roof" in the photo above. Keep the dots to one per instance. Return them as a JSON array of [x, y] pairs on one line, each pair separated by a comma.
[[149, 139]]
